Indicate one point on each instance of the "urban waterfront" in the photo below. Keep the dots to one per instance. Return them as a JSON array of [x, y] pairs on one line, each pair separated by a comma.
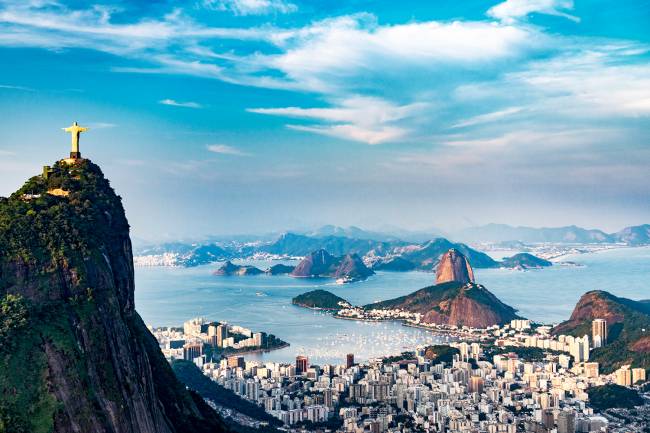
[[169, 296]]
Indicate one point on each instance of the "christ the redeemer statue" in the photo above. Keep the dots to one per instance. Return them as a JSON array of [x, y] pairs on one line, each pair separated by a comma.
[[74, 131]]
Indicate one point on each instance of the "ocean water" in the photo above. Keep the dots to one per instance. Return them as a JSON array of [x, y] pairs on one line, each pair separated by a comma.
[[169, 296]]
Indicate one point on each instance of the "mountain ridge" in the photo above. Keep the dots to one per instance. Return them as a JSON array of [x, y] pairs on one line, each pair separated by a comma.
[[453, 303], [572, 234], [628, 324]]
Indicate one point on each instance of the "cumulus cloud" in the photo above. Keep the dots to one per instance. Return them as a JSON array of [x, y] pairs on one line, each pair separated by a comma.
[[512, 10], [175, 103], [251, 7], [329, 53]]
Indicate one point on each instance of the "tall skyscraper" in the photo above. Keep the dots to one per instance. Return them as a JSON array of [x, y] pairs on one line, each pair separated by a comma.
[[566, 422], [624, 376], [222, 334], [327, 398], [349, 360], [302, 363], [599, 332], [591, 369], [476, 384], [580, 349], [192, 350], [638, 375], [548, 419], [236, 361]]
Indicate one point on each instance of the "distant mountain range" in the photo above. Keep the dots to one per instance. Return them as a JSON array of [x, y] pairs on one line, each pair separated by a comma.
[[493, 233], [385, 252], [396, 255]]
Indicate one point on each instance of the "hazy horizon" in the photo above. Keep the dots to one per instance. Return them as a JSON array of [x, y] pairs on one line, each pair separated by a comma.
[[227, 116]]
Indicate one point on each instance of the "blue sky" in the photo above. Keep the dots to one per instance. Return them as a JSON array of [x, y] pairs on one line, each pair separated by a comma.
[[231, 116]]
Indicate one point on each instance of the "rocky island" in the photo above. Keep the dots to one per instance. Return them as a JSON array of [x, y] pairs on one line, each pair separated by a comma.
[[320, 300], [280, 269], [230, 269], [320, 263], [525, 261]]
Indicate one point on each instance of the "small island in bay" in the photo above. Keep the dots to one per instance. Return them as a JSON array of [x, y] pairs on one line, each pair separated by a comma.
[[279, 269], [321, 300], [321, 264], [230, 269], [525, 261]]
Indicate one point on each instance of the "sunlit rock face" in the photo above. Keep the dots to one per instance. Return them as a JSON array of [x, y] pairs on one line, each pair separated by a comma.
[[453, 266]]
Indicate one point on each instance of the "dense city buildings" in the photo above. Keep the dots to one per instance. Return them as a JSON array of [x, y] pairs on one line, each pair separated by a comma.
[[514, 378], [201, 338]]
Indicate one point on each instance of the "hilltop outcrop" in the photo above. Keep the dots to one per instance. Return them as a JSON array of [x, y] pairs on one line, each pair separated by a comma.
[[453, 266], [75, 356], [453, 303], [628, 322]]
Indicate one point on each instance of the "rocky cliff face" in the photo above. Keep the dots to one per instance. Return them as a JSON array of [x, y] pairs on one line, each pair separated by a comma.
[[454, 266], [351, 266], [454, 303], [322, 264], [75, 356]]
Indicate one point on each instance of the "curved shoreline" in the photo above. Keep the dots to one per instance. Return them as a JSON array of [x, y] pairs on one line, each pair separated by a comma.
[[260, 350], [314, 308]]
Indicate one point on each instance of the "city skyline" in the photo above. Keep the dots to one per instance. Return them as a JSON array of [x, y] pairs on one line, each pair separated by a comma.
[[272, 115]]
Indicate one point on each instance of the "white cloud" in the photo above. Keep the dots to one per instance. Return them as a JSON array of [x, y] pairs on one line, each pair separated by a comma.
[[488, 117], [365, 119], [329, 53], [174, 103], [406, 67], [375, 135], [589, 84], [11, 87], [511, 10], [251, 7], [101, 125], [225, 150]]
